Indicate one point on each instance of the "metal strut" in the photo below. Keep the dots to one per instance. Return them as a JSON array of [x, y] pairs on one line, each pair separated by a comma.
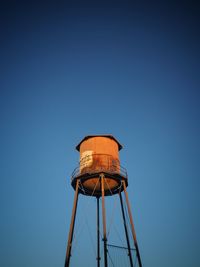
[[132, 225], [98, 235], [104, 220], [71, 230], [126, 231]]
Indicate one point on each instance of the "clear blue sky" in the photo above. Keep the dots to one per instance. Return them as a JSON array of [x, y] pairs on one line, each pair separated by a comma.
[[70, 69]]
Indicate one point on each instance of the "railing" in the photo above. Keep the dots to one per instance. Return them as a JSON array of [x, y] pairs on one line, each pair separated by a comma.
[[96, 163]]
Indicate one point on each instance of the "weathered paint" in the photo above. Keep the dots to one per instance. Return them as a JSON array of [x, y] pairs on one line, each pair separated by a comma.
[[99, 153], [86, 159]]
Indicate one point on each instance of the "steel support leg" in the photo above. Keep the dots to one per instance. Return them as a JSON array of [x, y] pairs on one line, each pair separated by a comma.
[[98, 235], [71, 230], [104, 220], [132, 225], [126, 230]]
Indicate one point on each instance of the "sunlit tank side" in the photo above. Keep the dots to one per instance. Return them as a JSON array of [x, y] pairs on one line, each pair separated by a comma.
[[99, 154]]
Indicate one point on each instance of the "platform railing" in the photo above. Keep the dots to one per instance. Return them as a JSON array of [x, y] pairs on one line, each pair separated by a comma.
[[96, 163]]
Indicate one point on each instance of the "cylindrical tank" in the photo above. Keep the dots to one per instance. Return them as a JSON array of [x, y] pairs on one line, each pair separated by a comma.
[[99, 154]]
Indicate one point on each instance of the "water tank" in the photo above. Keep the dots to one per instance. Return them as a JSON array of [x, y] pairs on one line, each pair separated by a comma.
[[99, 154]]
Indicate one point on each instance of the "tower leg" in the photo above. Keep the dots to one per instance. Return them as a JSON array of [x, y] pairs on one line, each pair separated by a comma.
[[98, 235], [126, 231], [104, 220], [71, 230], [132, 225]]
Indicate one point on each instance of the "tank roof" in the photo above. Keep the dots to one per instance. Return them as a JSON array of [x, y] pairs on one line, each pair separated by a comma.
[[99, 135]]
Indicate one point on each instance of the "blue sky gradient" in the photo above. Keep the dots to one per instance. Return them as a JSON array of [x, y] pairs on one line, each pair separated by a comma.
[[70, 69]]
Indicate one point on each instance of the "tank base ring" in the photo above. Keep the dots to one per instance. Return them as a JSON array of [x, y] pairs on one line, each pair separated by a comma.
[[90, 183]]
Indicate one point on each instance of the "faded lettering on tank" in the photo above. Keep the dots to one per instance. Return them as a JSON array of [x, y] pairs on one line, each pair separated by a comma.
[[86, 159]]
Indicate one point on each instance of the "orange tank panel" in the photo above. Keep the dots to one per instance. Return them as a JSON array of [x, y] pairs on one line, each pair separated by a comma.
[[100, 145], [99, 153], [94, 184]]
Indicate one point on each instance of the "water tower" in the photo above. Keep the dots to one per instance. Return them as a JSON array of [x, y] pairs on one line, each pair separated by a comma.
[[100, 174]]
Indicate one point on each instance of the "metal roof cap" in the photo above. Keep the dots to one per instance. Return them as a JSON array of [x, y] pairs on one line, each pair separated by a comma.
[[99, 135]]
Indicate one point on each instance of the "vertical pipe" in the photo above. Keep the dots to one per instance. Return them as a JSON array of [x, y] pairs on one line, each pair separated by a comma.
[[71, 230], [98, 235], [104, 220], [132, 225], [126, 231]]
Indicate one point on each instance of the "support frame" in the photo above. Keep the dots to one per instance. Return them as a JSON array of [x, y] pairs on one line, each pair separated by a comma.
[[132, 225], [71, 230]]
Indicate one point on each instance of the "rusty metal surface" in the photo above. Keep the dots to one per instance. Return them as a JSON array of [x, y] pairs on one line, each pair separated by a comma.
[[99, 154], [99, 163], [99, 145]]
